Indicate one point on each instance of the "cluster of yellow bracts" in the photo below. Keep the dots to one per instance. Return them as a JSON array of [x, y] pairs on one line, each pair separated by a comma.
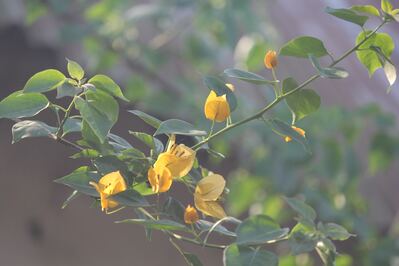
[[177, 161]]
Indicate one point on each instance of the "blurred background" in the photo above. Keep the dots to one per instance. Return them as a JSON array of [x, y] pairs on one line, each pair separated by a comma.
[[157, 51]]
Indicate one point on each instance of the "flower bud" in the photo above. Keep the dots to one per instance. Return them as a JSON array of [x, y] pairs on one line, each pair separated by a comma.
[[190, 215], [270, 59]]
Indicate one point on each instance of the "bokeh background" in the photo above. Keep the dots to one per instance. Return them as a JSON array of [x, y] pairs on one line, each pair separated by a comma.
[[157, 51]]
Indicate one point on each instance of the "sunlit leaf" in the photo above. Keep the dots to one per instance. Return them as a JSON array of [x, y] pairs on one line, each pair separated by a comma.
[[45, 80], [19, 104], [303, 46]]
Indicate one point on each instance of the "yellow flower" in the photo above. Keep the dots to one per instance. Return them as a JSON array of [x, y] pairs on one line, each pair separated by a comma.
[[297, 129], [190, 215], [216, 107], [160, 178], [270, 59], [207, 193], [110, 184], [175, 162]]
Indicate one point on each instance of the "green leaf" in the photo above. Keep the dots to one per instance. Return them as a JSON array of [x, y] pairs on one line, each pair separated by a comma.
[[109, 163], [336, 232], [259, 229], [150, 120], [87, 153], [19, 104], [347, 15], [283, 129], [72, 125], [157, 224], [247, 76], [301, 208], [366, 9], [192, 259], [31, 129], [235, 255], [91, 140], [66, 89], [367, 56], [303, 102], [179, 127], [328, 72], [131, 198], [75, 70], [386, 6], [174, 209], [205, 226], [79, 180], [220, 88], [45, 80], [152, 142], [106, 84], [301, 243], [118, 142], [303, 46], [99, 111], [326, 250]]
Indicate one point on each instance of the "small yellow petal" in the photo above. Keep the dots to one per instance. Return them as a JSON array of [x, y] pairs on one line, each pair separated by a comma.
[[216, 107], [210, 188], [160, 178], [211, 208], [113, 183], [179, 159]]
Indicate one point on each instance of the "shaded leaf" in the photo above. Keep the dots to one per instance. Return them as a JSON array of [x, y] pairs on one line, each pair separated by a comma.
[[235, 255], [157, 224], [301, 208], [179, 127], [106, 84], [131, 198], [347, 15], [79, 180], [328, 72], [283, 129], [19, 104], [247, 76], [150, 120], [259, 229], [31, 129]]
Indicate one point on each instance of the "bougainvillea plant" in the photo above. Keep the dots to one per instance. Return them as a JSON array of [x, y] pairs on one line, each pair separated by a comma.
[[123, 176]]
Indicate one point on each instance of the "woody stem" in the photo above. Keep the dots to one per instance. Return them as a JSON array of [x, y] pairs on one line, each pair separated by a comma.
[[281, 97]]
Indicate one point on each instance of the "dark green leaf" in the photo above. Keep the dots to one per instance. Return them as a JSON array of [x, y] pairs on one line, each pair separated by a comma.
[[328, 72], [220, 88], [179, 127], [72, 125], [301, 243], [301, 208], [99, 111], [247, 76], [303, 46], [79, 180], [87, 153], [19, 104], [347, 15], [131, 198], [336, 232], [367, 56], [152, 142], [75, 70], [235, 255], [152, 121], [45, 80], [118, 142], [259, 229], [158, 224], [31, 129], [108, 164], [302, 102], [174, 209], [106, 84], [205, 226]]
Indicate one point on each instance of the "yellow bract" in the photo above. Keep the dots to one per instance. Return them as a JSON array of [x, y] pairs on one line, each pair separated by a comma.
[[216, 107], [270, 59], [110, 184], [160, 178], [175, 162], [207, 193], [297, 129], [190, 215]]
